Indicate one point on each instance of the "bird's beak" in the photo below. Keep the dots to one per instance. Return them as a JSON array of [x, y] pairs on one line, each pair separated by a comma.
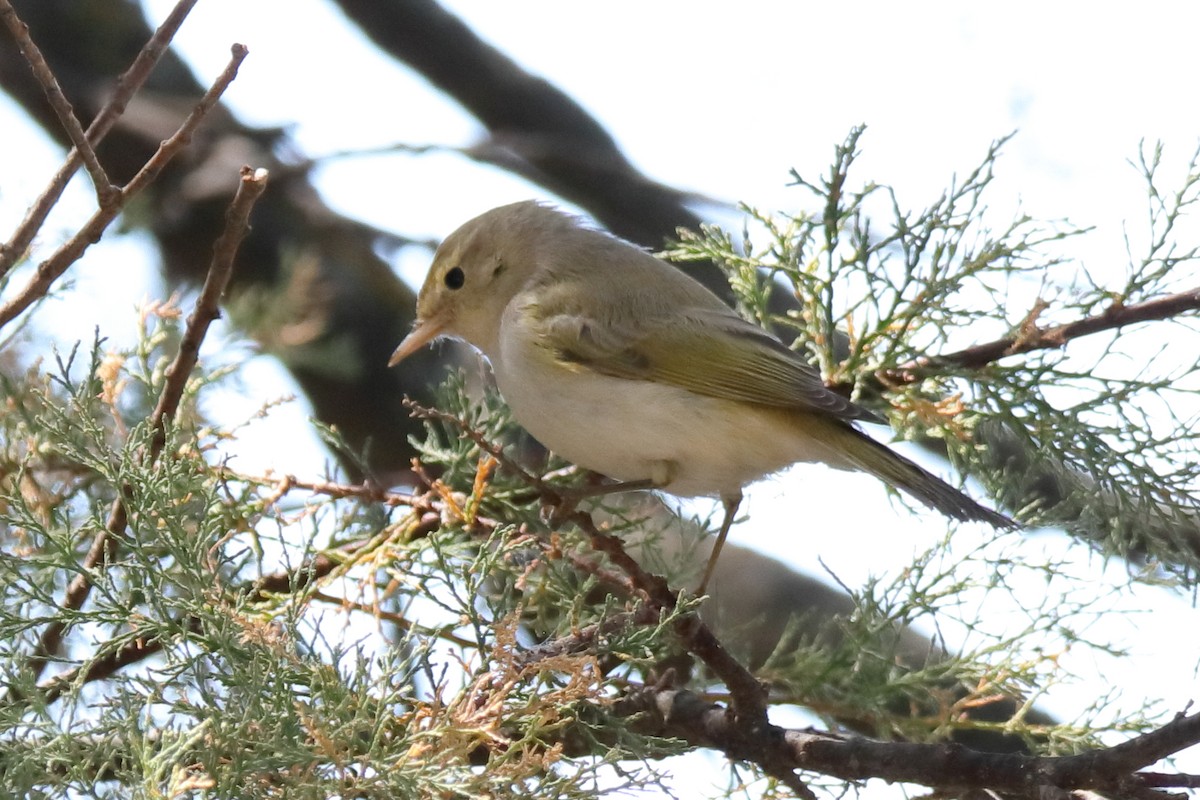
[[423, 332]]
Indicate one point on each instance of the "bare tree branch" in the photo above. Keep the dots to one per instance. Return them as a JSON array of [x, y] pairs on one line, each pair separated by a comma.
[[127, 85], [52, 268], [105, 191], [1117, 315], [946, 767]]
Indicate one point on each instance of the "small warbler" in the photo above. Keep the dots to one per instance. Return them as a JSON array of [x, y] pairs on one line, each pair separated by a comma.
[[622, 364]]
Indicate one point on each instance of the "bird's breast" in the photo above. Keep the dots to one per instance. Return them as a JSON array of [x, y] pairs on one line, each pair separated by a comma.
[[630, 429]]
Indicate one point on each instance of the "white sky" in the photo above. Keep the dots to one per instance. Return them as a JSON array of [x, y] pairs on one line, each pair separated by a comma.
[[724, 99]]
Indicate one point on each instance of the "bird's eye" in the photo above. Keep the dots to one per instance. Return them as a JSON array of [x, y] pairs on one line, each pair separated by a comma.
[[455, 278]]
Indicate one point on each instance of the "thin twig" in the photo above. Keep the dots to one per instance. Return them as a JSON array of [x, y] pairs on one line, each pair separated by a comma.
[[1032, 338], [425, 412], [104, 544], [748, 695], [367, 492], [445, 633], [105, 191], [53, 267], [127, 85], [582, 640], [208, 307], [299, 578], [605, 576]]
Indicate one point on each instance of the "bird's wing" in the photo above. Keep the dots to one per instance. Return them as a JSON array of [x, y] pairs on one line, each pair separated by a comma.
[[706, 351]]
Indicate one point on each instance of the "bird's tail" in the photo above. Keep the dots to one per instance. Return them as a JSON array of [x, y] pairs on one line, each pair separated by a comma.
[[864, 453]]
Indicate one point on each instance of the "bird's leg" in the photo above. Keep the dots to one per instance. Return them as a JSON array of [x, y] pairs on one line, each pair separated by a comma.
[[731, 503]]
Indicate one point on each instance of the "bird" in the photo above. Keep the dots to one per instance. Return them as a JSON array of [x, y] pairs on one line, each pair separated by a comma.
[[622, 364]]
